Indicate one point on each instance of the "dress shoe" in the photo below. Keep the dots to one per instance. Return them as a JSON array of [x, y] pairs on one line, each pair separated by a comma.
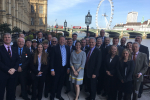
[[139, 95], [60, 98], [46, 95], [67, 91]]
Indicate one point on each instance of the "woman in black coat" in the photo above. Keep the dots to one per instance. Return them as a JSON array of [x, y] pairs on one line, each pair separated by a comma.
[[125, 72], [111, 65], [38, 71]]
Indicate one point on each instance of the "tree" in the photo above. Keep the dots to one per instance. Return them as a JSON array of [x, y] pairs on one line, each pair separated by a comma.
[[4, 28], [16, 29]]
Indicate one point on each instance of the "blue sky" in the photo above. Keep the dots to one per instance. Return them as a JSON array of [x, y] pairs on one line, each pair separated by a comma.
[[74, 11]]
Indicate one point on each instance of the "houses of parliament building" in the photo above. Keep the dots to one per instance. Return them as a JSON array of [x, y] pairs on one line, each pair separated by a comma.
[[25, 14]]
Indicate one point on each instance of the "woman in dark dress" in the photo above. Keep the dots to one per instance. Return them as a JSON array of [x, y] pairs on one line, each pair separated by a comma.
[[38, 71], [125, 72], [111, 64]]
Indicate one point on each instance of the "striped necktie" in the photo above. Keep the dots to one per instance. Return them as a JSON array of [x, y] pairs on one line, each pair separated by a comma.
[[63, 52]]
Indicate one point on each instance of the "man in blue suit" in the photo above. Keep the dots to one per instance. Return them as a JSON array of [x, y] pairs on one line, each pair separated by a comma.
[[9, 63]]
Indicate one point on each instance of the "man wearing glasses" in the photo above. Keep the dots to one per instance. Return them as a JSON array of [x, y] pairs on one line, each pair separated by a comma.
[[54, 42]]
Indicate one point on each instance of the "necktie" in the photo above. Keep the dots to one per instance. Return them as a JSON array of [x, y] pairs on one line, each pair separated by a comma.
[[63, 56], [9, 52], [134, 58], [20, 52], [88, 57]]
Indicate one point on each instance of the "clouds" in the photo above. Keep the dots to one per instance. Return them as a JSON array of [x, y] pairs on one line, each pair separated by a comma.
[[55, 6]]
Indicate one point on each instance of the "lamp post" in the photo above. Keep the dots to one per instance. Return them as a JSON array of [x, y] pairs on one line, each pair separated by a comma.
[[88, 20], [52, 28], [65, 25], [56, 28], [49, 28]]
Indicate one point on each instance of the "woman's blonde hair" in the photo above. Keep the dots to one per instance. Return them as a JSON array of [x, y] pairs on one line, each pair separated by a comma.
[[129, 58]]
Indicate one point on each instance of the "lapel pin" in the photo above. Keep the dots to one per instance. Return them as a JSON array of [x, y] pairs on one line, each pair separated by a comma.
[[26, 55]]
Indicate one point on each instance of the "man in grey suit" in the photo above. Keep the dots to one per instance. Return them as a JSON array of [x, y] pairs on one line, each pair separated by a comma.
[[140, 67]]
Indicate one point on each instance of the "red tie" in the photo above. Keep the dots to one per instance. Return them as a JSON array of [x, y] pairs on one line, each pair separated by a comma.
[[9, 52], [88, 57]]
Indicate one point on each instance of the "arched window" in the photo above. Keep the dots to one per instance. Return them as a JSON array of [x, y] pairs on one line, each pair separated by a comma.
[[32, 9]]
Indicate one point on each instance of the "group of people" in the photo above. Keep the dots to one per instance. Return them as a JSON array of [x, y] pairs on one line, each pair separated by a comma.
[[93, 64]]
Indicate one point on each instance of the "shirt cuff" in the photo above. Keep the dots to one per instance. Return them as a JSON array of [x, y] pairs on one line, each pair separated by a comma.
[[68, 68], [52, 69], [20, 64], [140, 73]]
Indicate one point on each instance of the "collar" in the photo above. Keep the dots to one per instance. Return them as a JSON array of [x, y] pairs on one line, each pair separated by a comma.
[[7, 45], [20, 48], [92, 48], [136, 53]]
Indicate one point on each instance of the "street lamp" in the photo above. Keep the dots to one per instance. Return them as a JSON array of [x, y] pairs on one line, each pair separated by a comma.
[[88, 20], [56, 27], [52, 28], [65, 25]]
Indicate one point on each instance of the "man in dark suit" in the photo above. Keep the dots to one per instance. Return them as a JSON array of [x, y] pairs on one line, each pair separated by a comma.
[[29, 79], [24, 59], [143, 49], [102, 35], [67, 82], [140, 67], [49, 37], [92, 67], [100, 83], [115, 42], [123, 42], [40, 37], [83, 45], [9, 62], [74, 37], [54, 42], [47, 49], [59, 67], [107, 42]]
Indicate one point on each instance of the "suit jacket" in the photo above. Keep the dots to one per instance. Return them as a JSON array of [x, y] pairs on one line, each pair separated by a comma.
[[86, 48], [34, 67], [7, 62], [38, 40], [129, 71], [144, 49], [25, 58], [141, 66], [113, 65], [73, 48], [56, 61], [94, 63]]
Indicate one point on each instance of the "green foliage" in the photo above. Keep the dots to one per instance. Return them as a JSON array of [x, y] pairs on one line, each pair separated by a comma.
[[16, 29], [4, 28], [29, 37]]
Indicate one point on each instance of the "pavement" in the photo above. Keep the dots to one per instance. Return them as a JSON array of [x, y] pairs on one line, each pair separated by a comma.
[[83, 95]]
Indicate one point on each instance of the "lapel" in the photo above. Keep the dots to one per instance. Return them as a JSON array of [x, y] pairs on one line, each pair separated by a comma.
[[5, 51], [137, 61], [59, 51], [23, 53], [92, 53]]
